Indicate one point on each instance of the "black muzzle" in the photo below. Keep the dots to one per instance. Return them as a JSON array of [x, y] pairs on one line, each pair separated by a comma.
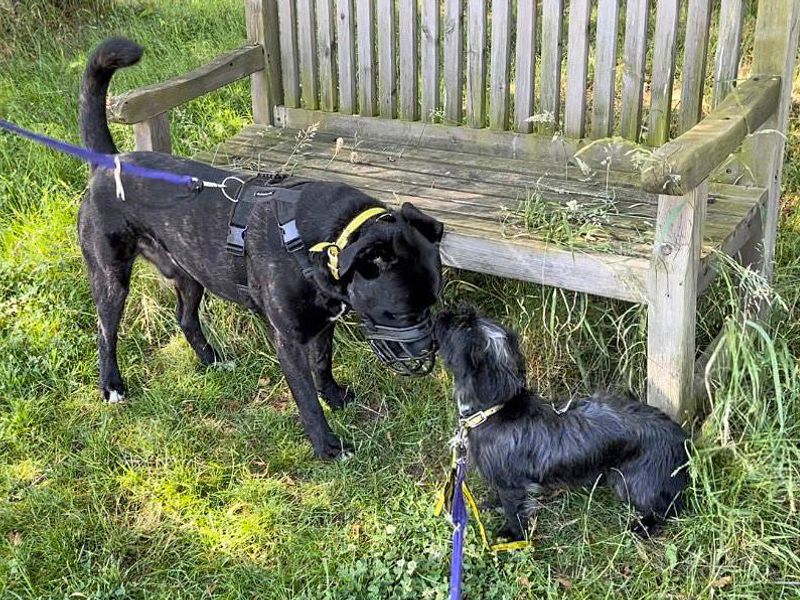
[[405, 350]]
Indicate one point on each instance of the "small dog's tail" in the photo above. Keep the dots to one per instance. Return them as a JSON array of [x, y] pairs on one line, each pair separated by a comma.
[[112, 54]]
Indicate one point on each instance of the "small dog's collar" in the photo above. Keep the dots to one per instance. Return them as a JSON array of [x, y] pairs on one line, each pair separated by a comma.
[[479, 418], [334, 248]]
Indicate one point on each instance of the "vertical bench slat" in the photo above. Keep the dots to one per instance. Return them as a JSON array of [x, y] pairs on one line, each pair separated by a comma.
[[345, 49], [430, 58], [307, 41], [552, 18], [476, 63], [633, 68], [266, 87], [367, 102], [605, 74], [409, 79], [694, 64], [577, 68], [729, 48], [664, 47], [327, 61], [500, 65], [453, 61], [525, 65], [387, 83], [288, 35]]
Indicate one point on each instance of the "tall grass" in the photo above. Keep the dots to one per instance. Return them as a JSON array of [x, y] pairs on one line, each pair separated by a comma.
[[203, 485]]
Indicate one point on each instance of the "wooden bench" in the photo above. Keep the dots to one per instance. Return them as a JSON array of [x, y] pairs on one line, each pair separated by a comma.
[[617, 178]]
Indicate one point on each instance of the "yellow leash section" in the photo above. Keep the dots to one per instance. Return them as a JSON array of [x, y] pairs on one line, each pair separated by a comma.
[[334, 248]]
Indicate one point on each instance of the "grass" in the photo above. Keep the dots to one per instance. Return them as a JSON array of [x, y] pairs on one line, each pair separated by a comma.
[[203, 485]]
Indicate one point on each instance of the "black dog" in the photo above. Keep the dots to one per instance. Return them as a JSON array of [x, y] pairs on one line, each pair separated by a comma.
[[389, 271], [527, 445]]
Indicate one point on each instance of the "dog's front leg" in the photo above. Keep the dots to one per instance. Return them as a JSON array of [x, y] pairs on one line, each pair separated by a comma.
[[513, 500], [294, 359], [320, 356]]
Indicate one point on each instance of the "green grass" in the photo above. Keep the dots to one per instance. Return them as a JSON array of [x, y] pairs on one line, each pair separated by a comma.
[[203, 484]]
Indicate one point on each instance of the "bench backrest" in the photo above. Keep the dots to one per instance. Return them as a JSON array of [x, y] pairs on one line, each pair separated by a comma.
[[640, 69]]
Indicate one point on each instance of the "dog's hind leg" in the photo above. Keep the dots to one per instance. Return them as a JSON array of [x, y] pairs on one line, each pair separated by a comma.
[[109, 267], [190, 293], [320, 357]]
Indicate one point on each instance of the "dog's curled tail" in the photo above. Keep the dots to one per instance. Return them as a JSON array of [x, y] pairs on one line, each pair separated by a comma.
[[112, 54]]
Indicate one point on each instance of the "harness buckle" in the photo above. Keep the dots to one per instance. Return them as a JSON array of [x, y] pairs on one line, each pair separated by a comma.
[[291, 236], [235, 242]]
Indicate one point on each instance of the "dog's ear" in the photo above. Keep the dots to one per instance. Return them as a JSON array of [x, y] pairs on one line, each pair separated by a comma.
[[365, 255], [429, 227]]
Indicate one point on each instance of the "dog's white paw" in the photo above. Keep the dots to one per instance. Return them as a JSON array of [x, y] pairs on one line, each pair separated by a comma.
[[115, 397], [345, 455], [228, 365]]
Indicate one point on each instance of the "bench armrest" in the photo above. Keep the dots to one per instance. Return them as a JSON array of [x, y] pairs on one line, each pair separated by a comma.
[[681, 165], [144, 103]]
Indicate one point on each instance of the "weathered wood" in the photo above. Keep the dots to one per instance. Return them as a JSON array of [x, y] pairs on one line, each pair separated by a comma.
[[367, 100], [476, 63], [500, 64], [429, 41], [775, 51], [672, 302], [152, 100], [693, 77], [289, 57], [679, 166], [729, 49], [409, 77], [577, 68], [663, 72], [307, 42], [525, 66], [345, 49], [605, 75], [453, 61], [152, 135], [387, 80], [326, 46], [266, 86], [495, 143], [552, 19], [633, 68]]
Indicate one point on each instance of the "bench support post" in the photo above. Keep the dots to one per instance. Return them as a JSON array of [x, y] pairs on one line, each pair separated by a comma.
[[153, 134], [672, 302], [776, 39], [267, 84]]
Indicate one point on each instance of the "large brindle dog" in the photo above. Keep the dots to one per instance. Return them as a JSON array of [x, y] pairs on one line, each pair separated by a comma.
[[337, 249]]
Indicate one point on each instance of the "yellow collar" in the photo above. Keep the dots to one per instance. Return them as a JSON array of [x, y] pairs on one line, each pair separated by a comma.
[[479, 418], [334, 248]]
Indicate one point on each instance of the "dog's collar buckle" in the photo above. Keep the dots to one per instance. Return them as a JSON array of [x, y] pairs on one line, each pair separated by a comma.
[[479, 418]]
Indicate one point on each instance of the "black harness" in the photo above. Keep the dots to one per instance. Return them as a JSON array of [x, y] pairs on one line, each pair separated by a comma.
[[392, 345], [284, 206]]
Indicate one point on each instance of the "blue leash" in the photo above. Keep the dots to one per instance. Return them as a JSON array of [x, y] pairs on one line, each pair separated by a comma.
[[109, 161], [459, 517]]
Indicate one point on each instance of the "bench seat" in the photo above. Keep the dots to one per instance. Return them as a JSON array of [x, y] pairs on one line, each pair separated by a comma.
[[480, 199]]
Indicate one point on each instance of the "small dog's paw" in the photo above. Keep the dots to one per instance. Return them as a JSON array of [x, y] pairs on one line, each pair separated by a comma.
[[338, 396], [331, 447], [512, 534]]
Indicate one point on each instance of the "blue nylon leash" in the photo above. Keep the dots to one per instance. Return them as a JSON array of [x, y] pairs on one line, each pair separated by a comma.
[[459, 517], [108, 161]]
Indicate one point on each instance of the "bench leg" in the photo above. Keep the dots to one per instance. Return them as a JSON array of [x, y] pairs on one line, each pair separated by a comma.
[[672, 302], [153, 134]]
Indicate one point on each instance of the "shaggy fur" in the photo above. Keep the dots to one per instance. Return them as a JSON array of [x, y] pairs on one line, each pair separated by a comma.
[[527, 445], [390, 273]]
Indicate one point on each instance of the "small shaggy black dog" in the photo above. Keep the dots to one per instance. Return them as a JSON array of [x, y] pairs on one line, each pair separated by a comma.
[[527, 445]]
